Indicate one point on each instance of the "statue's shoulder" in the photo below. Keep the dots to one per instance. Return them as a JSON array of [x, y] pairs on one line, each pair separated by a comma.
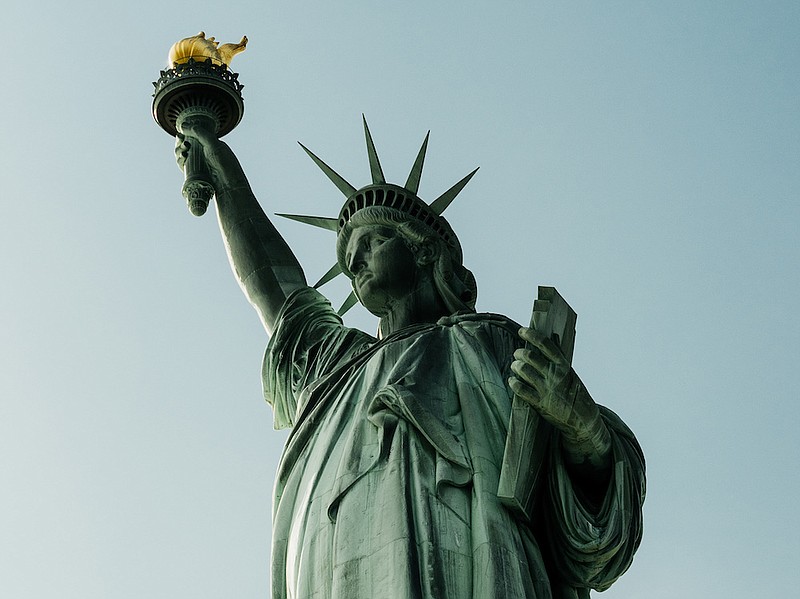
[[496, 325]]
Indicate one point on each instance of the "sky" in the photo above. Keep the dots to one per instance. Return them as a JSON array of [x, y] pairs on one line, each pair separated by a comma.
[[642, 157]]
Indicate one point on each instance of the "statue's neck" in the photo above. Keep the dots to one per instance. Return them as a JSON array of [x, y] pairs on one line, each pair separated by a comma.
[[421, 306]]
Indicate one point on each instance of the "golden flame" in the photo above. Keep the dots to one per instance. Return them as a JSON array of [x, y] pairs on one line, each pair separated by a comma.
[[202, 48]]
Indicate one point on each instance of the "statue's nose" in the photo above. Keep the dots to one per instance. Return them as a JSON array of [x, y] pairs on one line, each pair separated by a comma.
[[357, 261]]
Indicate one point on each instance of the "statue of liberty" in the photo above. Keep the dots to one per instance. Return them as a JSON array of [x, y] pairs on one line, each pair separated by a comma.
[[388, 483]]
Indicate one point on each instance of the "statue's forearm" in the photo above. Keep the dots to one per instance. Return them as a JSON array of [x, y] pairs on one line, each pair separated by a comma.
[[262, 261], [588, 446]]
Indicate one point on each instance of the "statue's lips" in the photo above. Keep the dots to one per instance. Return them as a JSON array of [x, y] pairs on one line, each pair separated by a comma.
[[363, 277]]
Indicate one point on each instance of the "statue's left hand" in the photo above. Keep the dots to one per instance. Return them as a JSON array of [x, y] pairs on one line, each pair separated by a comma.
[[544, 378]]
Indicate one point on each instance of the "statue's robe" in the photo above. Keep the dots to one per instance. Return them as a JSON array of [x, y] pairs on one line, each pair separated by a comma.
[[387, 486]]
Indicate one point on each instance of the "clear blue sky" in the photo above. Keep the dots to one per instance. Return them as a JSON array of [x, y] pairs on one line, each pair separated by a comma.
[[640, 156]]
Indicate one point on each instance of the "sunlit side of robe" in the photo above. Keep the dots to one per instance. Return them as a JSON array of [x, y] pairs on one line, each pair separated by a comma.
[[387, 486]]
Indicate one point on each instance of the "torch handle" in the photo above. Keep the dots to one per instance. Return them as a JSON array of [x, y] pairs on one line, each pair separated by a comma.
[[198, 186]]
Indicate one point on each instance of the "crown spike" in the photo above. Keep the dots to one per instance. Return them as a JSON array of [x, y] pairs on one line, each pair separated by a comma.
[[335, 178], [323, 222], [412, 184], [351, 301], [332, 273], [441, 203], [374, 163]]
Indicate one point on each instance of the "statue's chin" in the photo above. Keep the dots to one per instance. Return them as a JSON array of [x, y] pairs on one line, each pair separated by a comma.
[[377, 304], [379, 309]]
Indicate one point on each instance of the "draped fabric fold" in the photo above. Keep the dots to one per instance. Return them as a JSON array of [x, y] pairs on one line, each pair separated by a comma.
[[388, 483]]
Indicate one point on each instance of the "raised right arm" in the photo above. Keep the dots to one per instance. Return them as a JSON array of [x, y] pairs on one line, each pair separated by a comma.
[[264, 265]]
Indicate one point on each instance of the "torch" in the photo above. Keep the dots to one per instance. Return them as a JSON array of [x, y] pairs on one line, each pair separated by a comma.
[[199, 86]]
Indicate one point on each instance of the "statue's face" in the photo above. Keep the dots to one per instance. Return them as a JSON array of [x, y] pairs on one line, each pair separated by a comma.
[[384, 268]]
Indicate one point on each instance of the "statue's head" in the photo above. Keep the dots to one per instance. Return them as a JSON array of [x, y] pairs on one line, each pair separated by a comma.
[[395, 212], [419, 256]]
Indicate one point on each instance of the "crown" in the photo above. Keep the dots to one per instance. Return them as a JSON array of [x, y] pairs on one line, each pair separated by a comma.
[[388, 195]]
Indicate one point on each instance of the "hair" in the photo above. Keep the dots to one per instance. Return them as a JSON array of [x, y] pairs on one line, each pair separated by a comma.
[[454, 283]]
